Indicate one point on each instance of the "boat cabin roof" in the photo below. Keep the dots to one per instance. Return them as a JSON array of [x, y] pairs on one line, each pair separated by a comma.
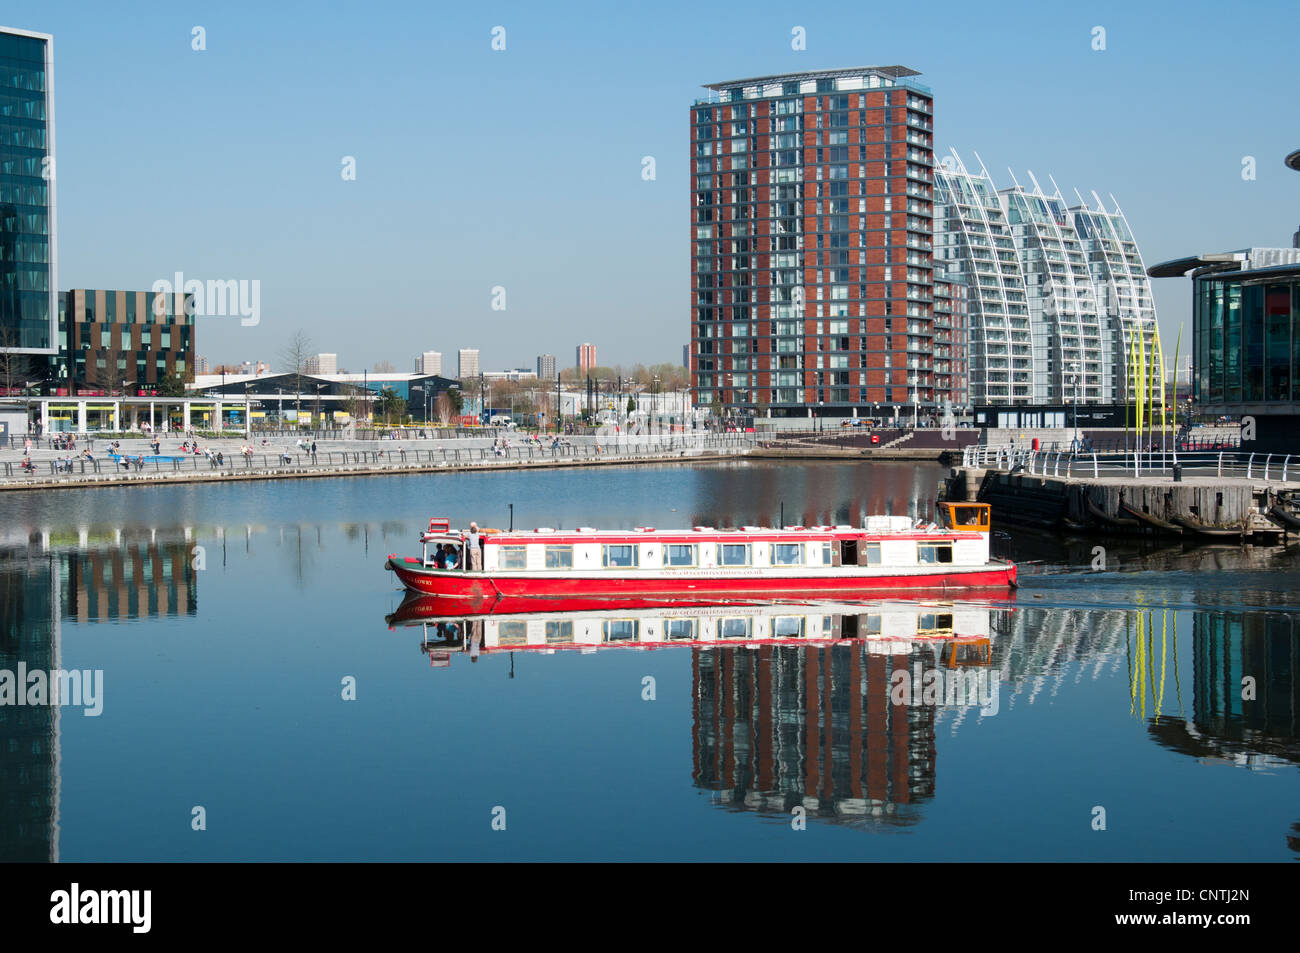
[[701, 534]]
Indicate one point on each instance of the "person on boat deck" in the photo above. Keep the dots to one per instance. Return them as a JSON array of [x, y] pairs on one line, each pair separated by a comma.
[[450, 557], [473, 552], [439, 558]]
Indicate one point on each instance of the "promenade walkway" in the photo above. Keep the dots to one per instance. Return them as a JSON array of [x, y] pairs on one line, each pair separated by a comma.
[[284, 458]]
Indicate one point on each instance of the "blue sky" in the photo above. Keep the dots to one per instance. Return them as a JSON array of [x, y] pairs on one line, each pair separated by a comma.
[[522, 168]]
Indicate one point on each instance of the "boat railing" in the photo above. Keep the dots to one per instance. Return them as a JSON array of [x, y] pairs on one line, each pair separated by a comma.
[[1153, 462]]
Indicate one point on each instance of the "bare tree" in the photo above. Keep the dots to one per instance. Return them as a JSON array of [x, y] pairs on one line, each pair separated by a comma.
[[113, 378], [294, 356], [14, 367], [443, 409], [384, 367]]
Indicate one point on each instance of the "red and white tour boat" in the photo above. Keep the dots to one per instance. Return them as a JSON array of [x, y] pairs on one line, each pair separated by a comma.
[[559, 570]]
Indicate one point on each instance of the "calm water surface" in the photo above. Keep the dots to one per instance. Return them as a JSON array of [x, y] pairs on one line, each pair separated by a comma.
[[1113, 681]]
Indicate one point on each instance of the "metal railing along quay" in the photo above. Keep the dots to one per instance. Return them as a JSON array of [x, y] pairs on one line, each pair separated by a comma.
[[1268, 467], [342, 460]]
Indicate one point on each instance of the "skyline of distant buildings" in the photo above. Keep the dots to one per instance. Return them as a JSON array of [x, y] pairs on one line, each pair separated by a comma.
[[467, 363], [322, 364], [430, 362]]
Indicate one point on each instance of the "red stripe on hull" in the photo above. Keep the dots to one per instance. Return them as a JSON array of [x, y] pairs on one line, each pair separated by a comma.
[[478, 593]]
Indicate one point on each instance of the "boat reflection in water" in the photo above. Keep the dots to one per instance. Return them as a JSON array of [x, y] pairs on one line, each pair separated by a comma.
[[962, 628], [818, 710]]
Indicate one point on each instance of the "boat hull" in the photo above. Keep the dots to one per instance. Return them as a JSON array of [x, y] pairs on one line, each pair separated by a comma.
[[480, 592]]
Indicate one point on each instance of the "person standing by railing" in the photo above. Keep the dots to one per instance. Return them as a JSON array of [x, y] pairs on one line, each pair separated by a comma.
[[473, 549]]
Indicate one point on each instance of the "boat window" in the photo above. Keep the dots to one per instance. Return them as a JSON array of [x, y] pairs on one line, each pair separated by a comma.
[[511, 557], [786, 554], [559, 557], [871, 551], [619, 555], [683, 555], [873, 626], [827, 549], [934, 553], [930, 622], [559, 632], [512, 633], [788, 627], [680, 628], [734, 628], [619, 630], [733, 554]]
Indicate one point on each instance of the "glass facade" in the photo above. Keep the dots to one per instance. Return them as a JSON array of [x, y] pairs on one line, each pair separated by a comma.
[[1247, 336], [28, 276]]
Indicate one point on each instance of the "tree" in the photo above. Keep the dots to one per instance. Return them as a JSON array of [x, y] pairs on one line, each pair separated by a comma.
[[391, 405], [14, 367], [112, 380], [384, 367], [171, 385], [294, 356]]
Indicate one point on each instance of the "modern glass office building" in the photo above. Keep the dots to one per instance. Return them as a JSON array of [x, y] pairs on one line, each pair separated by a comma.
[[1246, 337], [1245, 329], [811, 219], [1057, 291], [28, 258]]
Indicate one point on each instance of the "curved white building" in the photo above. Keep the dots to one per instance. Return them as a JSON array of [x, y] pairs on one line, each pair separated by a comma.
[[973, 244], [1057, 290]]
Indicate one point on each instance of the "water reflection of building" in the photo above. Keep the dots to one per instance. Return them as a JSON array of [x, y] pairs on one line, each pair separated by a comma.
[[793, 705], [40, 586], [784, 726], [1254, 732], [29, 734], [134, 580]]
